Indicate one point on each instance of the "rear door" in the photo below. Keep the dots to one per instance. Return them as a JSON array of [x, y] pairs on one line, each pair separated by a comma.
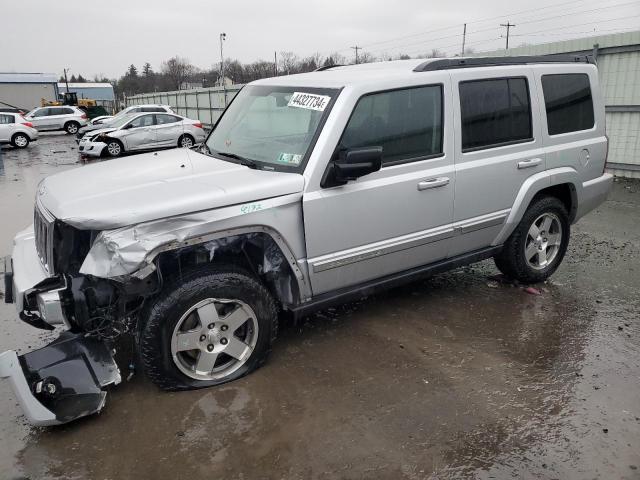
[[6, 130], [141, 133], [500, 146], [168, 130], [56, 117]]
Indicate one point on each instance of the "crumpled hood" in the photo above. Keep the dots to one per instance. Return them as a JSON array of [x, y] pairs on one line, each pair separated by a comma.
[[140, 188], [96, 130]]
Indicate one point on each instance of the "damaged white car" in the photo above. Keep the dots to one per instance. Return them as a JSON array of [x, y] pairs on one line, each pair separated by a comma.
[[312, 189]]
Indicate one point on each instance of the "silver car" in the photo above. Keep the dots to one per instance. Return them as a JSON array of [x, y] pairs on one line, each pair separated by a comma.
[[311, 190], [106, 120], [67, 118], [142, 131], [16, 130]]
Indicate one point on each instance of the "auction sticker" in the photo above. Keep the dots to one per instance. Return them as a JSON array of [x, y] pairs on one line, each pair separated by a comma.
[[310, 101], [290, 158]]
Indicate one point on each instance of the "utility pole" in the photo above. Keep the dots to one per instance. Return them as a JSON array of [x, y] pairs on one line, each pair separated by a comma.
[[464, 38], [275, 64], [65, 79], [356, 48], [508, 25], [223, 37]]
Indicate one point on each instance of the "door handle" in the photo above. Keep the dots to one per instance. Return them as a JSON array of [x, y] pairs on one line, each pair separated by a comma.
[[534, 162], [433, 183]]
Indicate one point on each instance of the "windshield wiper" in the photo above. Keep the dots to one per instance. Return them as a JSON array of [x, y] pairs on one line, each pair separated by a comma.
[[242, 160]]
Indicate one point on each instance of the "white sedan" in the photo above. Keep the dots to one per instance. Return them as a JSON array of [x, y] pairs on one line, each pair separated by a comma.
[[16, 130], [143, 131]]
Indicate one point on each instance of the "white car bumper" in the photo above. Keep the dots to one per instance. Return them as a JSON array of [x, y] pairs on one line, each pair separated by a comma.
[[91, 149]]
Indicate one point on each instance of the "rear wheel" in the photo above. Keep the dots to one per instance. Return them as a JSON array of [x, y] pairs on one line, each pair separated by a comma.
[[114, 148], [186, 141], [214, 326], [72, 127], [537, 246], [20, 140]]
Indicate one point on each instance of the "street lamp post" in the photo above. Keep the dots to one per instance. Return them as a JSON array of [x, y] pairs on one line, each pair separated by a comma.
[[223, 37]]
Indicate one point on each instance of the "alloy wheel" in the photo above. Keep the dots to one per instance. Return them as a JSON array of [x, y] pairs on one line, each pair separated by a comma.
[[20, 141], [214, 338], [543, 241]]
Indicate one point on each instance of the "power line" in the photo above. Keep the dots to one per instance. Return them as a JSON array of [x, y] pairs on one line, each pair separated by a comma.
[[525, 21]]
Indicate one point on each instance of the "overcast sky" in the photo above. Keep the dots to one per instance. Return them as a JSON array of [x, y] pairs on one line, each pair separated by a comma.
[[92, 37]]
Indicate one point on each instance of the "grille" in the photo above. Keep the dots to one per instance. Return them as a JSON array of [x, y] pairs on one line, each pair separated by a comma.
[[43, 227]]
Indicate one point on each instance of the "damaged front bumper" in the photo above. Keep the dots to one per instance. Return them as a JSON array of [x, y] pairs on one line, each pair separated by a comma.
[[62, 381], [91, 148]]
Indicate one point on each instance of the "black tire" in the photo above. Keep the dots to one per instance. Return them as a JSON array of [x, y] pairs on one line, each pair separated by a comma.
[[186, 136], [195, 286], [512, 261], [71, 127], [114, 148], [20, 140]]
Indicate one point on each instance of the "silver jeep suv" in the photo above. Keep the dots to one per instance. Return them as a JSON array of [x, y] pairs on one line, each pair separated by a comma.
[[312, 189]]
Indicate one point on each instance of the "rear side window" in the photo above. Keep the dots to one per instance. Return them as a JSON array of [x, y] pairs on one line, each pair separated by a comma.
[[568, 101], [152, 109], [406, 123], [163, 119], [5, 119], [68, 111], [494, 112]]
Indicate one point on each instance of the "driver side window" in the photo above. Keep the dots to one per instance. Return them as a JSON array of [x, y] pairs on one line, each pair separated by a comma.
[[142, 121], [406, 123]]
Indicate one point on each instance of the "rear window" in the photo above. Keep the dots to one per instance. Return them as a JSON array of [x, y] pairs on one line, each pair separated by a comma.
[[152, 109], [568, 102], [406, 123], [494, 112]]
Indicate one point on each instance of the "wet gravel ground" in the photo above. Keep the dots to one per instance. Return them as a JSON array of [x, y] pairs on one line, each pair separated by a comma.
[[458, 376]]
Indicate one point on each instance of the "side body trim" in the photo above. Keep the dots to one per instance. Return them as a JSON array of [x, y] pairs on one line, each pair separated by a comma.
[[385, 247]]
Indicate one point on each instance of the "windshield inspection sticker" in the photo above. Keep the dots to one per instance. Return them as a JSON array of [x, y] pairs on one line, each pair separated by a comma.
[[290, 158], [309, 101]]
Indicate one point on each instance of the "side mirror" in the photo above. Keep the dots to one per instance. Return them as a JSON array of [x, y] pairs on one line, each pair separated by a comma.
[[352, 164]]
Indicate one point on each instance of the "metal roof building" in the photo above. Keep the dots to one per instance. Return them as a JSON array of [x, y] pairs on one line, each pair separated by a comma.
[[26, 90], [97, 91], [618, 59]]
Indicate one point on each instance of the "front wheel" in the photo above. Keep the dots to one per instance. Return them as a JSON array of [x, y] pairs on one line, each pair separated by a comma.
[[215, 325], [537, 246], [114, 148]]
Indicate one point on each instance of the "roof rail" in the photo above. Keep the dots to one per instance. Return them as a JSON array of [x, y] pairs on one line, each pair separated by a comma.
[[471, 62], [327, 67]]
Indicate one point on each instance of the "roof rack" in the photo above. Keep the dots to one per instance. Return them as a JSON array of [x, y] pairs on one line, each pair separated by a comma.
[[453, 63], [327, 67]]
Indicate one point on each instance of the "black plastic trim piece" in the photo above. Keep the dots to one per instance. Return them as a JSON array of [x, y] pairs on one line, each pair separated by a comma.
[[370, 287], [327, 67], [8, 280], [454, 63]]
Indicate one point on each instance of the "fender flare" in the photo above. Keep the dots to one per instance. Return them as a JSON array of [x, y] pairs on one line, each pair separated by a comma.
[[530, 188]]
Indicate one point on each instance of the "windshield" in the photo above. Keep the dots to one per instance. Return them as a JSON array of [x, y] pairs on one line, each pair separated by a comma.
[[272, 127], [116, 122]]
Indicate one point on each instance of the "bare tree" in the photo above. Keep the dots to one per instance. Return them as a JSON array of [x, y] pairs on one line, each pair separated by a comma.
[[177, 70], [435, 53], [287, 63], [366, 57]]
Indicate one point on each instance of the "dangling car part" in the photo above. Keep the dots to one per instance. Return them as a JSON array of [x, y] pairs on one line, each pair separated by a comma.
[[62, 381]]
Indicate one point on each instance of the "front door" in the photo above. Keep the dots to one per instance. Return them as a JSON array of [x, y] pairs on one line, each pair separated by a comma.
[[396, 218], [140, 133], [41, 118]]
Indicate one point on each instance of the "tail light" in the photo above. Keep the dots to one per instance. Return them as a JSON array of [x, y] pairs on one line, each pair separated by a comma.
[[27, 124], [83, 116], [197, 125]]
